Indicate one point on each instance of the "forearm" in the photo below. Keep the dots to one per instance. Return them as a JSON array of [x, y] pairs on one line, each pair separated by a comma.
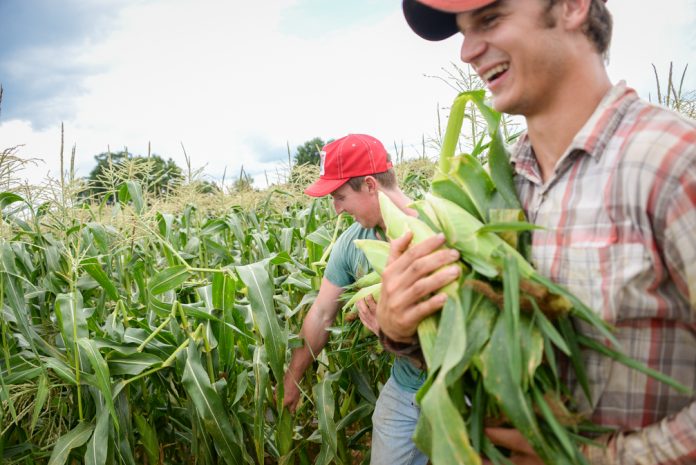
[[315, 336], [671, 441]]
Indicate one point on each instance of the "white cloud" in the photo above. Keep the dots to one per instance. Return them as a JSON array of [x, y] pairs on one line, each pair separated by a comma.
[[655, 34], [224, 81]]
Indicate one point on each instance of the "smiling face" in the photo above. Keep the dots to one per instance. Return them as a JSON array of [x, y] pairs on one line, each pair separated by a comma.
[[517, 52], [362, 205]]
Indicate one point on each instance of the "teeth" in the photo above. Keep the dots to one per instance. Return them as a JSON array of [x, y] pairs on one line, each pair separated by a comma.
[[488, 75]]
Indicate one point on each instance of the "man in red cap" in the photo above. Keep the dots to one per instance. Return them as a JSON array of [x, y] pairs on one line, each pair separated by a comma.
[[353, 170], [612, 180]]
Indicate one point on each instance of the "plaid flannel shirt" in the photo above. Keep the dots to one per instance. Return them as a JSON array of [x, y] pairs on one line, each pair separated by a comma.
[[619, 219]]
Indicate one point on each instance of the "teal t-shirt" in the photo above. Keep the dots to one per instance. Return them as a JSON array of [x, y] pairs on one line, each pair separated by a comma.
[[346, 265]]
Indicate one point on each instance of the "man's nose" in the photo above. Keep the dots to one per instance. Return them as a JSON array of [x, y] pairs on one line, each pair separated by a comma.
[[472, 48]]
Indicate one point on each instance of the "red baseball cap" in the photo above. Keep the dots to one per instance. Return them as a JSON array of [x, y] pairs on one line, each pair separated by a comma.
[[437, 19], [348, 157]]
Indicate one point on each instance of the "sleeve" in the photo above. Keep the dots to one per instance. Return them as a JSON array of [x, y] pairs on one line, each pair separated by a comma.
[[411, 350], [673, 210], [679, 239], [337, 268], [671, 441]]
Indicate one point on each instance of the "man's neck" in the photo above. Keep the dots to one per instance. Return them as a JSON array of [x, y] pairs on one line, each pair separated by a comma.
[[552, 130]]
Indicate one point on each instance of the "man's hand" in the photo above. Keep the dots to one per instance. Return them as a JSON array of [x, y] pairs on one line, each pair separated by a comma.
[[367, 311], [521, 451], [291, 393], [409, 278]]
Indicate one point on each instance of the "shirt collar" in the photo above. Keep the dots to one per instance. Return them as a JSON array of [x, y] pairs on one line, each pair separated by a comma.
[[592, 139], [598, 130]]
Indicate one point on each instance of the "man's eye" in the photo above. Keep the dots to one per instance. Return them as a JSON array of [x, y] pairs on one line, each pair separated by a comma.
[[488, 20]]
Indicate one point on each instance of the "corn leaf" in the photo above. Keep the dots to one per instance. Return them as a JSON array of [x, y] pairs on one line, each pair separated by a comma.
[[148, 437], [260, 384], [209, 407], [450, 441], [632, 363], [92, 266], [168, 279], [76, 437], [324, 401], [101, 370], [131, 190], [257, 279], [505, 387], [132, 364], [97, 447], [40, 400]]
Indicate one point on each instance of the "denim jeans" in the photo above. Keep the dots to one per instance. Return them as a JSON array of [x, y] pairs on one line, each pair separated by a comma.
[[393, 423]]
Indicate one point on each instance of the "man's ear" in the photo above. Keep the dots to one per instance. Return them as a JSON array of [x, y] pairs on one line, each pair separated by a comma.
[[371, 183], [574, 13]]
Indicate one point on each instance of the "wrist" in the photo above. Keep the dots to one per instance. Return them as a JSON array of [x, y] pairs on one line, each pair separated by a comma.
[[409, 349]]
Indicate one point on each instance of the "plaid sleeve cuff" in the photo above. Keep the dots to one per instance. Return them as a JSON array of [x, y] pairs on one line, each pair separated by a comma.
[[599, 453]]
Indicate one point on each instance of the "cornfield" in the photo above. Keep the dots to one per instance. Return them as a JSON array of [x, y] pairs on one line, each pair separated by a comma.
[[140, 331], [137, 330]]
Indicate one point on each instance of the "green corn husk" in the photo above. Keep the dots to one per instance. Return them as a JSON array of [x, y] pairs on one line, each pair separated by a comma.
[[490, 351]]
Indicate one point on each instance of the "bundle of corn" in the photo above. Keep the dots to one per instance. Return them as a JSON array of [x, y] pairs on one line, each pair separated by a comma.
[[490, 351]]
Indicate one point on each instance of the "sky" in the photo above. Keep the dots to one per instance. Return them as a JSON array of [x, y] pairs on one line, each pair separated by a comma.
[[236, 83]]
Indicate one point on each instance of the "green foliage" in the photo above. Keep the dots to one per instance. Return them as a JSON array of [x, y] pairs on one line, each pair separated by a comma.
[[158, 176], [308, 153], [131, 334], [206, 187], [243, 184]]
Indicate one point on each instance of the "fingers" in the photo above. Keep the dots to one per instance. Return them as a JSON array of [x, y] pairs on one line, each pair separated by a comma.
[[418, 271], [399, 246], [291, 400], [408, 282], [400, 255], [370, 302], [291, 392], [410, 293], [367, 311], [424, 276], [402, 326], [291, 406], [363, 308]]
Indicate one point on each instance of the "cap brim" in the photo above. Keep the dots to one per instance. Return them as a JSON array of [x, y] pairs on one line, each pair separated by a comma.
[[324, 187], [429, 23]]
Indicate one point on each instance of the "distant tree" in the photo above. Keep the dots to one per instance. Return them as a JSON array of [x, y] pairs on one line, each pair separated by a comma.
[[308, 153], [206, 187], [157, 175], [244, 183]]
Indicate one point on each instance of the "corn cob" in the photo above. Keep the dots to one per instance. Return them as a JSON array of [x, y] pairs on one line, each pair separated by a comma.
[[482, 361]]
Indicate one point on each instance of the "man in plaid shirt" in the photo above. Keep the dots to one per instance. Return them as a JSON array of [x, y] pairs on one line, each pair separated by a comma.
[[612, 180]]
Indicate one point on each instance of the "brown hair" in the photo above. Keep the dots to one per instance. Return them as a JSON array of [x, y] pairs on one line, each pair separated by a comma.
[[386, 179], [597, 26]]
